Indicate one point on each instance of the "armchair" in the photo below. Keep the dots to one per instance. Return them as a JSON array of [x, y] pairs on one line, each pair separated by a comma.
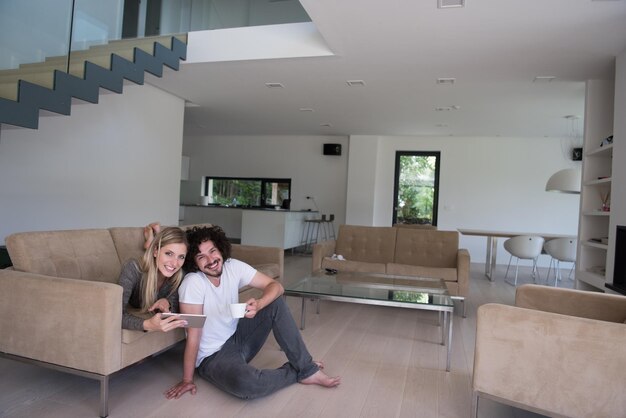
[[559, 352]]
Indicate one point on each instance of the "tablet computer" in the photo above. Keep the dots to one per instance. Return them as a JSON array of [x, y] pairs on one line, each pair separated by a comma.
[[193, 320]]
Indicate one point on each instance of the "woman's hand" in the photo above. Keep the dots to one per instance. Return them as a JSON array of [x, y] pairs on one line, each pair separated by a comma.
[[161, 305], [179, 390], [157, 323]]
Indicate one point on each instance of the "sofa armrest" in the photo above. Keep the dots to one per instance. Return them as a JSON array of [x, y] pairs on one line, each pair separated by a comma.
[[255, 255], [545, 362], [580, 303], [66, 322], [463, 271], [321, 250]]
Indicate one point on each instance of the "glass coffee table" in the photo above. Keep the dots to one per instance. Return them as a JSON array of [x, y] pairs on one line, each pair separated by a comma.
[[379, 289]]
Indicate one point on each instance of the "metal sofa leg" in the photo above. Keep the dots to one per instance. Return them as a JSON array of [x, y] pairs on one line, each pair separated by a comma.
[[475, 405], [462, 300], [104, 396]]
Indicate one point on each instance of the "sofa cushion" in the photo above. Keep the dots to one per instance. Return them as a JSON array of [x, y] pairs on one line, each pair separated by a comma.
[[137, 345], [371, 244], [270, 269], [353, 266], [87, 254], [445, 273], [425, 247], [128, 242]]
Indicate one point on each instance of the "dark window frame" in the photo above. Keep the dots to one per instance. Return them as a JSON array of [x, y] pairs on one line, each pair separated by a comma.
[[263, 182], [396, 180]]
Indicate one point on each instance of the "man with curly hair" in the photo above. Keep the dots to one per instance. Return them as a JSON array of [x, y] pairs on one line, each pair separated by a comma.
[[222, 349]]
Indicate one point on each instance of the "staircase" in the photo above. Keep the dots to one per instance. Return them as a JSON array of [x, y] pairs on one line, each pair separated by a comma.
[[46, 85]]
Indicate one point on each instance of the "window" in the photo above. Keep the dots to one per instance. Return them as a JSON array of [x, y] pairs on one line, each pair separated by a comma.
[[247, 192], [416, 187]]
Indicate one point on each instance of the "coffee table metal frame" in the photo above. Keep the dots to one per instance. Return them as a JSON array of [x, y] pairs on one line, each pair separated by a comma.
[[381, 282]]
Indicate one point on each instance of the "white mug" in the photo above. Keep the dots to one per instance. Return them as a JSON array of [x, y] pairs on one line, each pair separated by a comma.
[[238, 310]]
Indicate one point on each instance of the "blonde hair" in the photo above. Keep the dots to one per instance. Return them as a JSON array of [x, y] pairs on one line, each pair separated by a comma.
[[149, 282]]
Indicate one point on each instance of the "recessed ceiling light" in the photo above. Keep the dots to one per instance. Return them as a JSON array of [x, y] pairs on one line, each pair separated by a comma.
[[305, 109], [274, 85], [444, 4], [446, 80], [356, 83], [544, 79]]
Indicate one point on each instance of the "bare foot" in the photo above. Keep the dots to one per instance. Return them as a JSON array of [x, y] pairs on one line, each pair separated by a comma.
[[319, 364], [149, 232], [322, 379], [156, 227]]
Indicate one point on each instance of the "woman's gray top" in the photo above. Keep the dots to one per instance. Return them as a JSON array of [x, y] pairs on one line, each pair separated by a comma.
[[130, 280]]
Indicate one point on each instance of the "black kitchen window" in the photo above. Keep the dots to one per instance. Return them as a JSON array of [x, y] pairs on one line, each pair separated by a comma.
[[247, 192]]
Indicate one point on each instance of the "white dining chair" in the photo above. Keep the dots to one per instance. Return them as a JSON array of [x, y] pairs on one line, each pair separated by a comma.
[[560, 249], [526, 247]]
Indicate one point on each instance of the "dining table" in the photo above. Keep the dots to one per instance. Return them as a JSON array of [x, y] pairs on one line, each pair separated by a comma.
[[492, 243]]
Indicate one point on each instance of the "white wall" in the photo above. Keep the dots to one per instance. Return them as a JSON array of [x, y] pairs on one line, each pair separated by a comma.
[[297, 157], [485, 183], [115, 163], [362, 169], [618, 185]]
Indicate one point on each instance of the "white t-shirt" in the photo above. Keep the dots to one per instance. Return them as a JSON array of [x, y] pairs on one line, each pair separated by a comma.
[[220, 325]]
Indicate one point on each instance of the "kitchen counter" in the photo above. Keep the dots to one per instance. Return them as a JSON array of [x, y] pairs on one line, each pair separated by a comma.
[[274, 227], [192, 205], [253, 226]]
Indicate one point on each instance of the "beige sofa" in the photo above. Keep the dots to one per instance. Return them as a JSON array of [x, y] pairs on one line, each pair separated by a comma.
[[398, 251], [558, 352], [61, 306]]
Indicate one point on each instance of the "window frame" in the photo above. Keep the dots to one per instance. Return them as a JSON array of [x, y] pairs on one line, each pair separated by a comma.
[[263, 182], [396, 181]]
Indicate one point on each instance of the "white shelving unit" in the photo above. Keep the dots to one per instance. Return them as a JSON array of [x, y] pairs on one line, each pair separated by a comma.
[[593, 230]]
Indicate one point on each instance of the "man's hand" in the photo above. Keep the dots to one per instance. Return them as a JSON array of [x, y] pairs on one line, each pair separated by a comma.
[[179, 390], [252, 307]]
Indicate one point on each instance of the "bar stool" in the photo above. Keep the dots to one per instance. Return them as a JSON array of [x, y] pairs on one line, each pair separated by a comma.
[[316, 230], [311, 232], [329, 227]]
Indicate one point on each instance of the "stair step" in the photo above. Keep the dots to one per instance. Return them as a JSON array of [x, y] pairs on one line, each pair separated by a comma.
[[97, 54], [8, 91], [45, 87]]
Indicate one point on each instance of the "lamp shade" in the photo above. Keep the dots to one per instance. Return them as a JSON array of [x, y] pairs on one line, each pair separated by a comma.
[[564, 181]]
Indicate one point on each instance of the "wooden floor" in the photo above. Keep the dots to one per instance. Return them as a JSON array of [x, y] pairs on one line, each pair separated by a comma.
[[389, 359]]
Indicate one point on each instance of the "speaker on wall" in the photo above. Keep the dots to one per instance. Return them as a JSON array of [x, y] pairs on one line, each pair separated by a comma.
[[332, 149]]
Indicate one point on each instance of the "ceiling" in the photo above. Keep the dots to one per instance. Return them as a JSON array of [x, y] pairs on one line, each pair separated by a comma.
[[494, 49]]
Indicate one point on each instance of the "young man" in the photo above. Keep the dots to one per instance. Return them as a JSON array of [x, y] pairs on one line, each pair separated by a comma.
[[221, 350]]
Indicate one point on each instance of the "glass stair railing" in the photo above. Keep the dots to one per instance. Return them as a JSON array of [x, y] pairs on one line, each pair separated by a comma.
[[46, 87], [40, 39], [42, 73]]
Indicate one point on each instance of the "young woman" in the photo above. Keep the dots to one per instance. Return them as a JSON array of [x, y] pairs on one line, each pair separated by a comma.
[[151, 284]]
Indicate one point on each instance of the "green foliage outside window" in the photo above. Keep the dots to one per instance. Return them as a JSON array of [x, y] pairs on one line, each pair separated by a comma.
[[247, 192], [232, 192], [416, 189]]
